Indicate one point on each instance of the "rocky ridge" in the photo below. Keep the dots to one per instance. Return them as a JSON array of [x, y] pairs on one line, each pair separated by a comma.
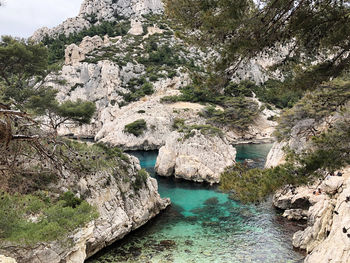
[[92, 12], [327, 214]]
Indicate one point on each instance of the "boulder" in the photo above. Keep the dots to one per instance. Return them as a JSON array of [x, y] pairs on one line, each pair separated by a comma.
[[136, 28]]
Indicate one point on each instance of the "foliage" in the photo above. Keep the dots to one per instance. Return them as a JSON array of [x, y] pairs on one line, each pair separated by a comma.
[[277, 93], [135, 94], [136, 128], [55, 219], [188, 130], [20, 62], [23, 66], [238, 113], [315, 105], [333, 143], [239, 30], [71, 200], [178, 123], [141, 179], [45, 103], [255, 184], [163, 55]]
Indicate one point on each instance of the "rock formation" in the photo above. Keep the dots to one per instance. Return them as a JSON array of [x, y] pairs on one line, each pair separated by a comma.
[[323, 204], [93, 11], [327, 213], [122, 208], [200, 158], [75, 54]]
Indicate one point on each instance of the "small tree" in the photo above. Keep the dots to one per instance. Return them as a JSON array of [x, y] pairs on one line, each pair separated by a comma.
[[23, 67], [45, 104]]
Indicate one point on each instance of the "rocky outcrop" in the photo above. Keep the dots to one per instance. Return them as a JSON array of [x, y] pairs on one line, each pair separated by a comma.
[[94, 11], [122, 208], [136, 28], [200, 158], [69, 26], [327, 211], [275, 155], [75, 54], [328, 238]]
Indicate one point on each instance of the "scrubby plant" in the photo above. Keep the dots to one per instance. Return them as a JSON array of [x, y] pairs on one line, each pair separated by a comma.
[[54, 219], [141, 178], [136, 128], [315, 105]]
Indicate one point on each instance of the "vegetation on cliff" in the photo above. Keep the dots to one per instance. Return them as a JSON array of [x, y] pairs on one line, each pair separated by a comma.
[[34, 161], [316, 34], [327, 152]]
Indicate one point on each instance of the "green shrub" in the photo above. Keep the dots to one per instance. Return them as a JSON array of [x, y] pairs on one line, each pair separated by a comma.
[[178, 123], [136, 128], [316, 105], [140, 179], [238, 113], [55, 220], [254, 185], [71, 200], [135, 94]]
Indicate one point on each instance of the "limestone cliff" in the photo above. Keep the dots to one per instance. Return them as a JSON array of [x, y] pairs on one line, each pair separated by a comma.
[[122, 208], [324, 204], [93, 12]]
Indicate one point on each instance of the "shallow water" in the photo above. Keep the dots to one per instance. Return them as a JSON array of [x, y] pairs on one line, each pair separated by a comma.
[[204, 225]]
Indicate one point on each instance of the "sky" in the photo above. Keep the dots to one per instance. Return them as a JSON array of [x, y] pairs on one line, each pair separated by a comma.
[[21, 18]]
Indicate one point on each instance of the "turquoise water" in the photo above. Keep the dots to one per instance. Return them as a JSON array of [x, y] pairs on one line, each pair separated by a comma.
[[205, 225], [255, 152]]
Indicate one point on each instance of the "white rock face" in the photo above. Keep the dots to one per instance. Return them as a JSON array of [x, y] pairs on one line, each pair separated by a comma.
[[70, 26], [136, 28], [298, 141], [102, 10], [201, 158], [121, 207], [276, 155], [4, 259], [151, 30], [333, 244], [74, 54]]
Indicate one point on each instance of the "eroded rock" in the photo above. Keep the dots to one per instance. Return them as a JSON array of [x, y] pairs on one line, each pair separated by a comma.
[[200, 158]]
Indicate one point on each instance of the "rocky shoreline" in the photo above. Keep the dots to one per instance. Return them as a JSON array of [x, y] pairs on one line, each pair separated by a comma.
[[324, 206]]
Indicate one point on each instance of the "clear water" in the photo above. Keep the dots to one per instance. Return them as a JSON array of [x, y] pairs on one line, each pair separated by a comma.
[[255, 152], [205, 225]]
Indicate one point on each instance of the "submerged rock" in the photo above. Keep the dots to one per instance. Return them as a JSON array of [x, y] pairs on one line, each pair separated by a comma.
[[200, 158]]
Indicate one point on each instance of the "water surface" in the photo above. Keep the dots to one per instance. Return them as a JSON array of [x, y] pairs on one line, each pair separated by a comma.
[[205, 225]]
